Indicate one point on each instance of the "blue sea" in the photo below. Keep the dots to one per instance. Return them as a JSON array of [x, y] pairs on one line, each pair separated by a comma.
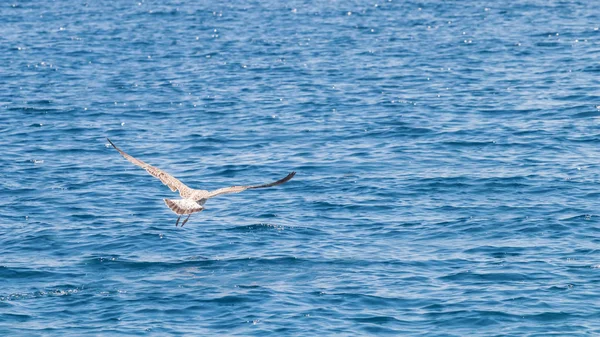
[[447, 158]]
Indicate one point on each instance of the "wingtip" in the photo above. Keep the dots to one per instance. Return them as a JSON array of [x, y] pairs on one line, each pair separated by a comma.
[[289, 176], [111, 143]]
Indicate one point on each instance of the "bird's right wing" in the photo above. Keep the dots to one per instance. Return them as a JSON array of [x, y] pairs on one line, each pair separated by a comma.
[[166, 178], [238, 189]]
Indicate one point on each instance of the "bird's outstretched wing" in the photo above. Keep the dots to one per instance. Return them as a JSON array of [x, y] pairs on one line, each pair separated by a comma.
[[166, 178], [238, 189]]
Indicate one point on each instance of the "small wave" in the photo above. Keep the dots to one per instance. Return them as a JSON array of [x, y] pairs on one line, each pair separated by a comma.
[[256, 227], [377, 319], [497, 252], [26, 273], [577, 217], [16, 317], [586, 114], [115, 262], [56, 292], [497, 277]]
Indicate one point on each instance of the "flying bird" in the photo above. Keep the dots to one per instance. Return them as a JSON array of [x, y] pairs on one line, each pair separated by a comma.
[[193, 199]]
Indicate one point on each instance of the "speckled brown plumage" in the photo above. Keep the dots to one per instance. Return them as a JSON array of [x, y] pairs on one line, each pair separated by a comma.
[[193, 199]]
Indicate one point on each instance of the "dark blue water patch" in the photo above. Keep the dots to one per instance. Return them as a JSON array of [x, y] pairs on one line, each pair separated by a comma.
[[498, 277], [497, 252], [24, 273], [592, 112], [17, 317]]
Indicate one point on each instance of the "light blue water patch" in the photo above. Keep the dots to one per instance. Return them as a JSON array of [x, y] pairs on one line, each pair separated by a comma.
[[447, 159]]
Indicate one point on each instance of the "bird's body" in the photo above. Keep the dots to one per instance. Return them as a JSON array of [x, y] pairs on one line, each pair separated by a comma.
[[192, 199]]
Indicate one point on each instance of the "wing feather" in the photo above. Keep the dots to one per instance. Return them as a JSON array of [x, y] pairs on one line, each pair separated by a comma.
[[173, 183], [238, 189]]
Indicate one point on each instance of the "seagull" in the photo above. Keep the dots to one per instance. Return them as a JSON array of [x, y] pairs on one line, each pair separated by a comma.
[[193, 199]]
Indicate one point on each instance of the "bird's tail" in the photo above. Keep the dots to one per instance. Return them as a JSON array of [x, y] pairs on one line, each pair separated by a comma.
[[183, 206]]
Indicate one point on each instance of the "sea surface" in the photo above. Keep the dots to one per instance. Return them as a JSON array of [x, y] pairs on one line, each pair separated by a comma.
[[447, 157]]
